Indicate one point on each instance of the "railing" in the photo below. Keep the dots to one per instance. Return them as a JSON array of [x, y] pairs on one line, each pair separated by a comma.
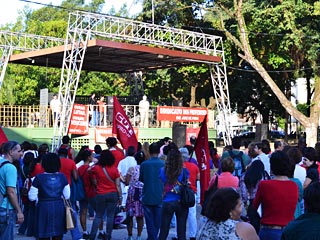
[[36, 116]]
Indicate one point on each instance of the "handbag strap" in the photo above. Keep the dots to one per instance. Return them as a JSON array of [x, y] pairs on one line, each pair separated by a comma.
[[107, 175]]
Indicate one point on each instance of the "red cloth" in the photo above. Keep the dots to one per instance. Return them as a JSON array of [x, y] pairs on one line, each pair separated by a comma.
[[225, 179], [37, 170], [104, 185], [118, 155], [67, 165], [278, 199], [201, 149], [85, 175], [193, 171], [122, 127], [3, 136]]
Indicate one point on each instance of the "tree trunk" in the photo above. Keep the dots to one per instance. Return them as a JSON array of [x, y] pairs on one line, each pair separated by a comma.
[[311, 133]]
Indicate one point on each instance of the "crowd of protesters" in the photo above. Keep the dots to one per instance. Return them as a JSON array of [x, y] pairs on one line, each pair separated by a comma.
[[253, 193]]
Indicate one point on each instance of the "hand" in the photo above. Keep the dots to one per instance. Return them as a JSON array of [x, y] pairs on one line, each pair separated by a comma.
[[20, 218]]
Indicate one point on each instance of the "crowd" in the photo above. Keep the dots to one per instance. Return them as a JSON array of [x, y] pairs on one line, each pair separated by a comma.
[[253, 193]]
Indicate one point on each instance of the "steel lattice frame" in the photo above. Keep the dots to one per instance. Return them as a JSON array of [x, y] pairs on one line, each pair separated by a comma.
[[83, 26], [11, 41]]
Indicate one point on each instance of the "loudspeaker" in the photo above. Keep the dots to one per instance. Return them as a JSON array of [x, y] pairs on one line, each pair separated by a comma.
[[109, 103], [179, 134]]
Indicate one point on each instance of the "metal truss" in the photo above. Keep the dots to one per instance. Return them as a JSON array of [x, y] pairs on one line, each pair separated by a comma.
[[83, 26], [11, 41]]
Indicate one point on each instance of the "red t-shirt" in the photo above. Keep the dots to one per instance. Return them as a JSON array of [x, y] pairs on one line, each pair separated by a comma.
[[85, 175], [278, 199], [104, 185], [67, 165], [118, 155], [37, 170], [193, 171]]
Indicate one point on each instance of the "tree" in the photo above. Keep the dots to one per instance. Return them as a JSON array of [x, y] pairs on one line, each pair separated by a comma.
[[297, 22]]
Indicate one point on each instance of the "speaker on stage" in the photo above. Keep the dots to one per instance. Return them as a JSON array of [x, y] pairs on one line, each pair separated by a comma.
[[109, 103], [179, 132]]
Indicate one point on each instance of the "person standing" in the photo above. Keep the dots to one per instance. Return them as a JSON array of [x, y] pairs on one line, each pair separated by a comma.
[[101, 110], [124, 165], [8, 187], [47, 189], [55, 106], [66, 144], [152, 191], [193, 179], [93, 109], [115, 150], [144, 112], [106, 178]]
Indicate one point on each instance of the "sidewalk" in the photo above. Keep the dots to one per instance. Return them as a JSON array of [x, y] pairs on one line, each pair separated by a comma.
[[117, 234]]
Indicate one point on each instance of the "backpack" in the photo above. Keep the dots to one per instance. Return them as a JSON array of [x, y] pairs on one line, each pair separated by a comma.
[[3, 195], [239, 167]]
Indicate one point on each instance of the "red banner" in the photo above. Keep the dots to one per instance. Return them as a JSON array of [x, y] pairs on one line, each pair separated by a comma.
[[122, 126], [201, 149], [79, 120], [191, 132], [102, 133], [3, 136], [181, 114]]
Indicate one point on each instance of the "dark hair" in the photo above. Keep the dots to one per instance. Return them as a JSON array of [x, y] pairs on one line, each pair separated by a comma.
[[221, 203], [193, 139], [97, 149], [83, 155], [173, 166], [8, 146], [131, 151], [227, 165], [26, 145], [251, 150], [236, 142], [311, 196], [254, 174], [280, 164], [265, 147], [139, 146], [51, 163], [277, 144], [154, 148], [294, 154], [63, 152], [111, 141], [65, 139], [140, 157], [311, 154], [28, 158], [43, 148], [106, 158]]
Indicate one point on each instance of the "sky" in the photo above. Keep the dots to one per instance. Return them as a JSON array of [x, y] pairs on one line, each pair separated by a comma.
[[10, 8]]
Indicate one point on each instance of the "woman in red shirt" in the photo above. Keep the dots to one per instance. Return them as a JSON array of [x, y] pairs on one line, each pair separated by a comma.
[[106, 178], [278, 198]]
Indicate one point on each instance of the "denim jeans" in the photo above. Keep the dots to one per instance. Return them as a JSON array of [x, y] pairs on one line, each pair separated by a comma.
[[192, 221], [104, 202], [168, 209], [270, 234], [152, 215], [7, 228]]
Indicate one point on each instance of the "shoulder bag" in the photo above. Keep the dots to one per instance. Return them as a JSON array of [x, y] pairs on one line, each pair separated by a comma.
[[187, 195]]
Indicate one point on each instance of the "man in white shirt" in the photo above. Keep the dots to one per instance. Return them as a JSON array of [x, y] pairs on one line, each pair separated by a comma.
[[55, 109], [263, 157], [124, 165]]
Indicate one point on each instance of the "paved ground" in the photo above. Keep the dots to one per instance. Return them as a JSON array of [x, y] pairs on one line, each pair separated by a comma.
[[117, 234]]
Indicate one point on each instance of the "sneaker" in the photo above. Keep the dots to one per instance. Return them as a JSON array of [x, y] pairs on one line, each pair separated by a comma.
[[102, 235], [85, 236]]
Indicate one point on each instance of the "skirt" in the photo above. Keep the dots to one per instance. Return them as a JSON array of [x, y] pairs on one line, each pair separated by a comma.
[[133, 203]]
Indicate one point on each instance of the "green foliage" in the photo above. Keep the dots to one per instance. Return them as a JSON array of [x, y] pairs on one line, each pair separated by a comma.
[[302, 107]]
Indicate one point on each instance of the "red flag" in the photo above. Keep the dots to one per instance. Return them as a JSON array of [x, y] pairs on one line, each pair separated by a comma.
[[3, 136], [201, 149], [122, 127]]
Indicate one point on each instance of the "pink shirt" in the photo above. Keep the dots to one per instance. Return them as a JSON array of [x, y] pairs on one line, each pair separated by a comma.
[[226, 179]]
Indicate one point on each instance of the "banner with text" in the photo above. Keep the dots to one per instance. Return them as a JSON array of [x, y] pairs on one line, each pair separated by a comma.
[[79, 120], [181, 114]]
